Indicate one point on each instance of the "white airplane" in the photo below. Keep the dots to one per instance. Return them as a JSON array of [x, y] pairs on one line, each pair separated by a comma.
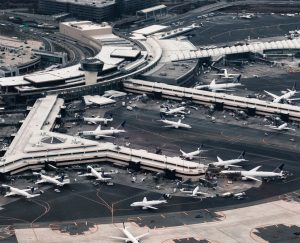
[[193, 154], [145, 204], [97, 120], [21, 192], [230, 162], [225, 74], [285, 97], [99, 176], [282, 127], [213, 86], [195, 192], [56, 180], [247, 16], [98, 133], [174, 124], [177, 110], [252, 174], [129, 237]]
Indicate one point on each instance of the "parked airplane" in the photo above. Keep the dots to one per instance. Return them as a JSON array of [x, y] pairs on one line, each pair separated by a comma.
[[21, 192], [99, 176], [225, 74], [129, 237], [252, 174], [195, 192], [56, 180], [97, 120], [108, 133], [177, 110], [213, 86], [191, 155], [174, 124], [282, 127], [285, 97], [145, 204], [230, 162]]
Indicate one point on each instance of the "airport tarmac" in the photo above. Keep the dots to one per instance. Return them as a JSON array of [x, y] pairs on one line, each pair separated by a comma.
[[226, 27], [279, 219]]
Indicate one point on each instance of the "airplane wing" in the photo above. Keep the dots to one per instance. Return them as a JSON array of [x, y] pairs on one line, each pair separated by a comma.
[[274, 96], [27, 190], [34, 195], [293, 99], [87, 174], [141, 236], [10, 194], [200, 87], [217, 89], [40, 181], [237, 166], [186, 191], [252, 178], [151, 207], [119, 238], [103, 136], [169, 126]]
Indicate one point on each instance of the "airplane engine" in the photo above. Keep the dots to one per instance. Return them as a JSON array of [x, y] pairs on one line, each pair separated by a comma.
[[244, 178]]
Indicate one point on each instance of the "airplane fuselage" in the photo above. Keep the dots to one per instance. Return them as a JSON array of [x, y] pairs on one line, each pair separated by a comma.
[[228, 162], [130, 237], [148, 203], [108, 132], [52, 180], [176, 124], [96, 120]]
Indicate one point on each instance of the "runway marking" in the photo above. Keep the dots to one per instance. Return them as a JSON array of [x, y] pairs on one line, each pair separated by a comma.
[[163, 216]]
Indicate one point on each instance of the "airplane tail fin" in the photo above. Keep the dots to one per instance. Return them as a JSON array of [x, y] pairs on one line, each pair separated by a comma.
[[122, 124], [201, 146], [144, 199], [279, 168], [242, 155], [219, 159], [98, 128], [294, 87], [182, 152], [213, 82], [238, 79]]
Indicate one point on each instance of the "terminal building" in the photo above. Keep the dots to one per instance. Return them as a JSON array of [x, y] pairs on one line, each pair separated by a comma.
[[94, 10]]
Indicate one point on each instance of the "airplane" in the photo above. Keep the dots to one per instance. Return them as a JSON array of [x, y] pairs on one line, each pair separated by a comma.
[[252, 174], [247, 16], [174, 124], [225, 74], [177, 110], [21, 192], [108, 133], [129, 236], [97, 119], [195, 192], [99, 176], [145, 204], [191, 155], [230, 162], [282, 127], [56, 180], [285, 97], [213, 86]]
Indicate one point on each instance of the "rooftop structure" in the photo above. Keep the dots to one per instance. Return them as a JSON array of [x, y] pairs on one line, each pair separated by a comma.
[[152, 29]]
